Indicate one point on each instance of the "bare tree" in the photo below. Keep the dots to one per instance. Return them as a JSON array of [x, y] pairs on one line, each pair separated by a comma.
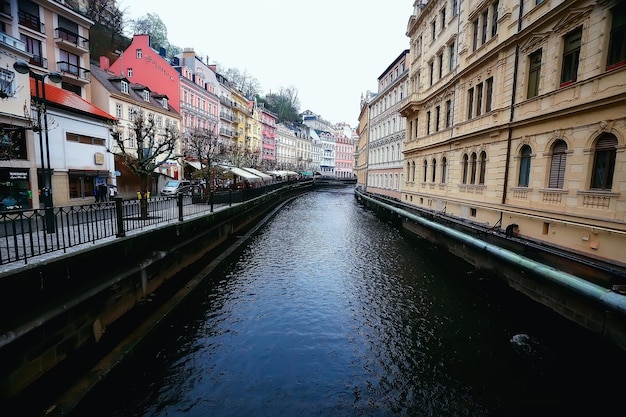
[[155, 146], [205, 147], [242, 155], [244, 82]]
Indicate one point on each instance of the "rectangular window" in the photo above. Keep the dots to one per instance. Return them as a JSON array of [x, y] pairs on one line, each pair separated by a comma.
[[617, 43], [146, 95], [130, 73], [470, 103], [118, 111], [124, 87], [571, 56], [443, 18], [69, 62], [432, 70], [131, 114], [86, 140], [483, 33], [440, 65], [428, 123], [139, 53], [494, 19], [488, 94], [448, 113], [534, 73], [479, 99], [475, 39], [6, 82], [455, 7], [451, 52], [437, 115], [433, 27]]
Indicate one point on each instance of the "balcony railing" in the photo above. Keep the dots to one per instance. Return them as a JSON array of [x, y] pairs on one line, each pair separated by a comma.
[[30, 21], [38, 61], [68, 37], [12, 42], [75, 70]]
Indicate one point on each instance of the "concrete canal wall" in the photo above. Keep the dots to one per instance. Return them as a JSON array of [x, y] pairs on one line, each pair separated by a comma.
[[582, 291], [63, 310]]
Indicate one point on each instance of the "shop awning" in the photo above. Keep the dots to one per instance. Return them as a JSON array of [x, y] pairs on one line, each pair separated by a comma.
[[259, 173], [245, 174], [197, 165]]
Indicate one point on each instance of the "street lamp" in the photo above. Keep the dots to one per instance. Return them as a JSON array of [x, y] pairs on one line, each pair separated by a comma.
[[46, 191]]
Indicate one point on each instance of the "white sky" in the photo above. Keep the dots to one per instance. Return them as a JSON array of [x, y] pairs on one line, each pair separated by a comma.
[[331, 51]]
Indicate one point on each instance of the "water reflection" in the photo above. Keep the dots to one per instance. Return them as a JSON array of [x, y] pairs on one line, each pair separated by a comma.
[[331, 312]]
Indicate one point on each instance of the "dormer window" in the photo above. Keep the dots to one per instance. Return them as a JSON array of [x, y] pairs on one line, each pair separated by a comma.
[[146, 95], [124, 87], [164, 102]]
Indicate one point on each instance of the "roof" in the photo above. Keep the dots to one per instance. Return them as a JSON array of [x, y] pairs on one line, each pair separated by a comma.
[[69, 100], [111, 83]]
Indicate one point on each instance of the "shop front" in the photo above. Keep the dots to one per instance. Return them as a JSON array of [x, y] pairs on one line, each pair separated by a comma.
[[15, 189]]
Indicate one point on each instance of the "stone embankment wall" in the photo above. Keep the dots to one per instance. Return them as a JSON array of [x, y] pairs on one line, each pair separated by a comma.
[[67, 308]]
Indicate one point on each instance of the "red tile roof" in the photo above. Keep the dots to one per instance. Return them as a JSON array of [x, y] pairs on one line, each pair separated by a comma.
[[70, 100]]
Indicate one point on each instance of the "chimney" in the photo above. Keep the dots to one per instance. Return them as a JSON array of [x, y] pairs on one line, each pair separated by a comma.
[[213, 67], [105, 63]]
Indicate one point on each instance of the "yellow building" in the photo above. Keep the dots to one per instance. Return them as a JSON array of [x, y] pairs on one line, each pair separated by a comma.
[[517, 116]]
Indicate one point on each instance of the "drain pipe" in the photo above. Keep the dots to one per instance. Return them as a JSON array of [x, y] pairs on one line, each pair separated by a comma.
[[604, 296]]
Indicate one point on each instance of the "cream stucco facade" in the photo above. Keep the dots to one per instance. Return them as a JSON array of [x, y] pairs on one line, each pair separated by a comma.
[[517, 115]]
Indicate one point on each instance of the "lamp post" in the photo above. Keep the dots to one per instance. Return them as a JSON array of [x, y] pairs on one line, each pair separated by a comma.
[[46, 191]]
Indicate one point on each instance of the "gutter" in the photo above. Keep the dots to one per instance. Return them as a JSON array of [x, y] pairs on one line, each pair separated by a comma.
[[606, 297]]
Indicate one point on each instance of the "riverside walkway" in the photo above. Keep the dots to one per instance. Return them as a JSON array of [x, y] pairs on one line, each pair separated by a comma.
[[34, 236]]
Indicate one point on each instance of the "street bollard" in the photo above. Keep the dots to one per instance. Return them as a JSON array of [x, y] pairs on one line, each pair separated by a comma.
[[119, 214], [180, 207]]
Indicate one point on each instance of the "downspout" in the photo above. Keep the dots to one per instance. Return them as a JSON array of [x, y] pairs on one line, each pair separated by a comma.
[[608, 298], [511, 115]]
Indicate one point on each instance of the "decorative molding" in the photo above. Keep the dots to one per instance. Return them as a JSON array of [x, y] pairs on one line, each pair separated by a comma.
[[573, 18], [536, 40]]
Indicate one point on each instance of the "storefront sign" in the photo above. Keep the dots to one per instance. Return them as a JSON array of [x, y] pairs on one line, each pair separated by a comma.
[[99, 158], [18, 175]]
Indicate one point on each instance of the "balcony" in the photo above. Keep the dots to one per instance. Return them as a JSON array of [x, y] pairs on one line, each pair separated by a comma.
[[12, 42], [597, 199], [38, 61], [31, 21], [69, 69], [71, 41]]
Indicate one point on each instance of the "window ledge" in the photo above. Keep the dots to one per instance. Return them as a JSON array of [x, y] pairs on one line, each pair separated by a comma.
[[602, 193]]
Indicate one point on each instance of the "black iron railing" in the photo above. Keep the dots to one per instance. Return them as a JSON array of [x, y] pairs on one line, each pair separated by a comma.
[[30, 233]]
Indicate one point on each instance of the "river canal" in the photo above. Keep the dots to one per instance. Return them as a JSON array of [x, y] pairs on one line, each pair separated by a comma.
[[329, 311]]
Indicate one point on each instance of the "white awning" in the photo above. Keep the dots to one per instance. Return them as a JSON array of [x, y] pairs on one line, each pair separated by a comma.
[[244, 174], [259, 173], [194, 164]]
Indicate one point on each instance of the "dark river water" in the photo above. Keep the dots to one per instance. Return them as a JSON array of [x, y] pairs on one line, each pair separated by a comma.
[[329, 311]]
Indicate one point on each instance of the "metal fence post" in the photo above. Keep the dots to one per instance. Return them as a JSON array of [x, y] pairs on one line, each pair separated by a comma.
[[180, 206], [119, 214]]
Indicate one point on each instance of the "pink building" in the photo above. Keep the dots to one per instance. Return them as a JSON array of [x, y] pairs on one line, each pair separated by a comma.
[[143, 65], [268, 130]]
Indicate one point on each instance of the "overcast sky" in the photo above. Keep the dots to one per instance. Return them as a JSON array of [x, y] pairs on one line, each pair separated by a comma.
[[331, 51]]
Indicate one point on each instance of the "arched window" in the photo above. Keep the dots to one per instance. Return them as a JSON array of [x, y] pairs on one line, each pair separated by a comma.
[[473, 163], [557, 166], [465, 168], [524, 166], [413, 172], [434, 170], [444, 169], [408, 170], [425, 170], [604, 162], [483, 168]]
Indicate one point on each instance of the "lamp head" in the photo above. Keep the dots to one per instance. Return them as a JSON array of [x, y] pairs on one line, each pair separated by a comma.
[[21, 66], [55, 77]]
